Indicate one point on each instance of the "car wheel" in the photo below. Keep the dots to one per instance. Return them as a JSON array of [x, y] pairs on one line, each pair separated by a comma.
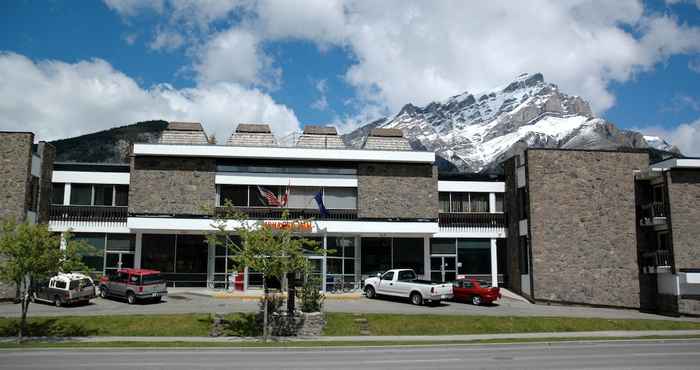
[[476, 300], [57, 301], [131, 298], [370, 293], [103, 292], [416, 299]]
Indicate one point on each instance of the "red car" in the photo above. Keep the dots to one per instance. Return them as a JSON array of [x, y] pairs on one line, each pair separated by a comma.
[[134, 284], [475, 292]]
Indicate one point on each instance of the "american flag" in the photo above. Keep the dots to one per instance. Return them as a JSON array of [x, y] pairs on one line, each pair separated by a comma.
[[272, 199]]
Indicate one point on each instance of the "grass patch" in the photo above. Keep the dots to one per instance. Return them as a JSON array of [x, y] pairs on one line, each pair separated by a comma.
[[114, 325], [316, 344], [339, 324]]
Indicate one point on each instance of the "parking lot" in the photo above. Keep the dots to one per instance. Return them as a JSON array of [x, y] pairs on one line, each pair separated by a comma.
[[192, 301]]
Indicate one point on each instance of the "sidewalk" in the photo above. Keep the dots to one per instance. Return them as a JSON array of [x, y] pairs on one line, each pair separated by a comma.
[[252, 294], [395, 338]]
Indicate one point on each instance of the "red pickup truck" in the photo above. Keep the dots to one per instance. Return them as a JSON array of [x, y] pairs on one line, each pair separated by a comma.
[[471, 290]]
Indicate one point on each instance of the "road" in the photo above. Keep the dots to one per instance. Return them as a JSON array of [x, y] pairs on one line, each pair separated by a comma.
[[607, 355], [191, 302]]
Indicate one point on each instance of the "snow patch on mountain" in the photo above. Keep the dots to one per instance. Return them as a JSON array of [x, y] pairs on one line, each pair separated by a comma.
[[474, 132]]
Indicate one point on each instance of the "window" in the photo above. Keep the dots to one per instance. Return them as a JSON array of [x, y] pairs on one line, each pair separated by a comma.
[[442, 246], [120, 242], [444, 199], [93, 257], [478, 202], [524, 258], [57, 192], [388, 276], [474, 255], [340, 259], [158, 252], [340, 198], [303, 197], [499, 202], [408, 254], [236, 194], [299, 196], [121, 195], [191, 254], [406, 276], [227, 166], [99, 195], [104, 195], [81, 195], [459, 202], [60, 284], [376, 255]]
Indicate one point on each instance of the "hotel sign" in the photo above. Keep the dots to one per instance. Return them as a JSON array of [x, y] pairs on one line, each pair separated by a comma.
[[302, 227]]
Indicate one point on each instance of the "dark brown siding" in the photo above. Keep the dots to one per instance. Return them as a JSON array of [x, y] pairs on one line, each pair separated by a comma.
[[583, 226], [397, 191], [511, 209]]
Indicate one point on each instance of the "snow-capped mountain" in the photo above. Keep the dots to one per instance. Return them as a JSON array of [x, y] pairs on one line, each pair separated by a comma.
[[475, 132]]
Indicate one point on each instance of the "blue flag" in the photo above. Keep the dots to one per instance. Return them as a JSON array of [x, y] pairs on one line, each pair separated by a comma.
[[321, 207]]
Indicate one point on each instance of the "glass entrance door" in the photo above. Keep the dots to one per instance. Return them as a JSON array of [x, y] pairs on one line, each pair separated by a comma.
[[443, 268], [118, 260]]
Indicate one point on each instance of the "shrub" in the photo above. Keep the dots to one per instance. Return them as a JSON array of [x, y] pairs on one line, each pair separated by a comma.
[[311, 297]]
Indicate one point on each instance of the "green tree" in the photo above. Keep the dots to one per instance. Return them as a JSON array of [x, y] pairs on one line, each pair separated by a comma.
[[30, 253], [274, 252]]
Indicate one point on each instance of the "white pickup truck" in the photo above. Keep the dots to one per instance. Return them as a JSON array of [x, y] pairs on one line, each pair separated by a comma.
[[404, 283]]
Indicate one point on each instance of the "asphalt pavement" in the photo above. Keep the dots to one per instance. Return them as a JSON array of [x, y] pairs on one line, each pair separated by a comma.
[[682, 354], [187, 301]]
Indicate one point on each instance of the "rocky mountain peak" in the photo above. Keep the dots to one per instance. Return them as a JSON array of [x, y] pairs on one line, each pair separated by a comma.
[[473, 132]]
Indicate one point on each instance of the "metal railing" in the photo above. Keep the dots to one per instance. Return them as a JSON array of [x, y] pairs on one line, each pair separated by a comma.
[[263, 213], [653, 213], [88, 213], [658, 261], [472, 220]]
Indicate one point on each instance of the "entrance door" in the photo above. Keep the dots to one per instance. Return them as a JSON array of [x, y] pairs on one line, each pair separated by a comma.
[[118, 260], [443, 268]]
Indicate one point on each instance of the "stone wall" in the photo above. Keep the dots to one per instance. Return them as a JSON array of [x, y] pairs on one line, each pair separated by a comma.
[[15, 173], [392, 190], [583, 226], [172, 186], [684, 202]]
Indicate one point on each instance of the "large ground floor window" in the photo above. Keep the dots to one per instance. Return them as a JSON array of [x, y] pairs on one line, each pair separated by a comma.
[[381, 254], [340, 263], [107, 252], [182, 259]]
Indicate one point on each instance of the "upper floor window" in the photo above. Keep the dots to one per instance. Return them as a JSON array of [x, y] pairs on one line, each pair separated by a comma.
[[463, 202], [57, 192], [99, 195], [298, 196]]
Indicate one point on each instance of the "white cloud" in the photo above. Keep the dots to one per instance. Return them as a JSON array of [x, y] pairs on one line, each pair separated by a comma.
[[416, 51], [685, 136], [235, 56], [322, 102], [59, 100], [166, 40], [132, 7]]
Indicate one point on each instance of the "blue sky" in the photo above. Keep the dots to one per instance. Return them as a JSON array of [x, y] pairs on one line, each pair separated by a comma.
[[70, 69]]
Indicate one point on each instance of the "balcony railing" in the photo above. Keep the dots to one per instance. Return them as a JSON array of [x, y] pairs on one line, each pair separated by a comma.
[[653, 213], [655, 262], [262, 213], [88, 213], [472, 220]]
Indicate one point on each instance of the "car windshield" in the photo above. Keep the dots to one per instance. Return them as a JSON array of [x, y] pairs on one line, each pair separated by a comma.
[[151, 279]]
